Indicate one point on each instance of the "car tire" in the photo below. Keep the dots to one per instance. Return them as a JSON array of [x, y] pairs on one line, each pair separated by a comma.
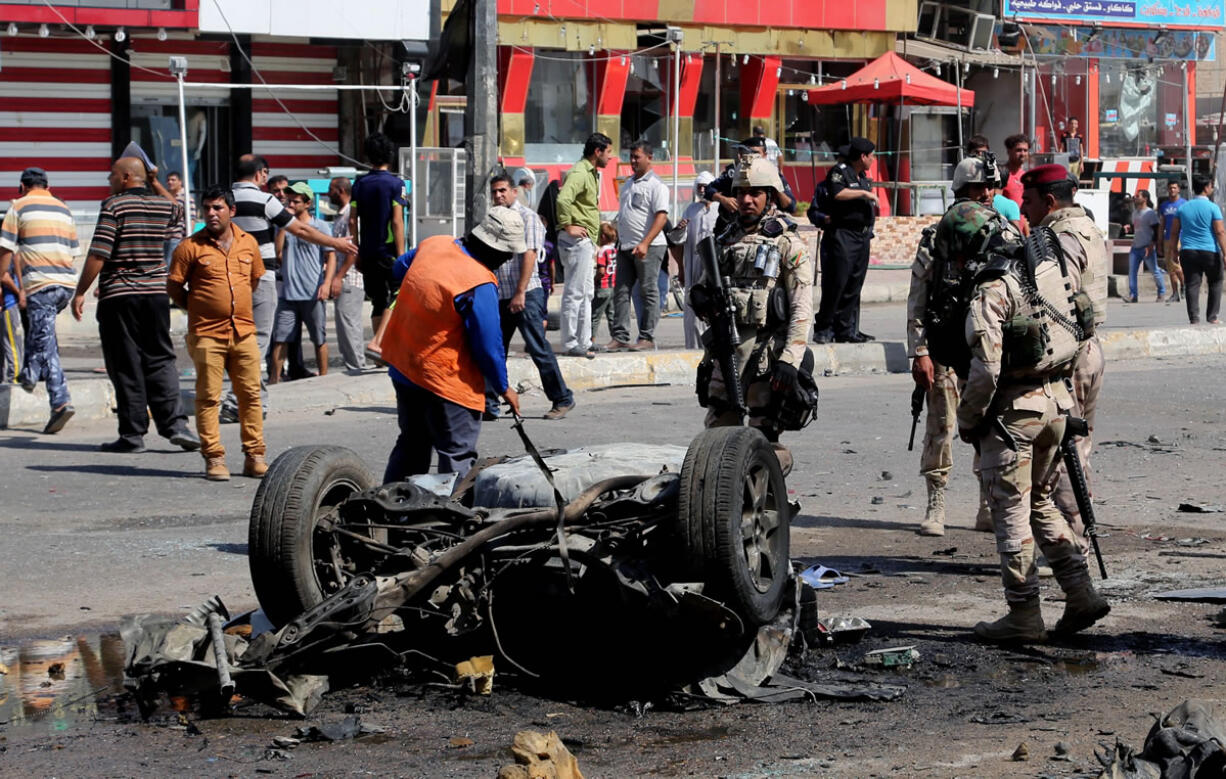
[[734, 521], [300, 485]]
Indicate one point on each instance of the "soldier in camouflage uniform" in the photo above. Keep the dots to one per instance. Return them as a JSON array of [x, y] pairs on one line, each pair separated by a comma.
[[961, 231], [771, 351], [1002, 400], [1086, 252]]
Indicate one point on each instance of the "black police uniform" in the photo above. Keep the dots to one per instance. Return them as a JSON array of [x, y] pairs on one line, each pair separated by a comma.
[[844, 256]]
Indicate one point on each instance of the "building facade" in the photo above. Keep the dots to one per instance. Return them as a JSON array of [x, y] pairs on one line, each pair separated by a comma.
[[79, 82]]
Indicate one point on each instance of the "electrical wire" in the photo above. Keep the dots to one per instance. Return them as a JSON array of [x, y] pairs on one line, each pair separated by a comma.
[[536, 55], [284, 108], [102, 48]]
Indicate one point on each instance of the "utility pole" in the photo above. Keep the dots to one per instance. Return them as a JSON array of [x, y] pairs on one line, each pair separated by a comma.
[[481, 111]]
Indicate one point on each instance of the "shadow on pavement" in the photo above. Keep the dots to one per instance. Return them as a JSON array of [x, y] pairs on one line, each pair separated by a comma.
[[47, 444], [117, 470], [238, 549]]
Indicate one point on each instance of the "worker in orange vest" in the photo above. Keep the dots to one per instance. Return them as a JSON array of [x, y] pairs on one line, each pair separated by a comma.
[[444, 343]]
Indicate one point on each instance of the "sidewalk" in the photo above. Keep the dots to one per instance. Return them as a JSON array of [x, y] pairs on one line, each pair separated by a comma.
[[1133, 331]]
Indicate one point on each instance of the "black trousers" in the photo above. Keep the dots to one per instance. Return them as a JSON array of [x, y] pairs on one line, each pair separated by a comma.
[[844, 263], [1197, 265], [140, 361]]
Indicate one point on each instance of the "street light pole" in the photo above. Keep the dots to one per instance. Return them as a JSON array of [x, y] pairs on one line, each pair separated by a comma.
[[481, 111], [676, 35], [178, 68]]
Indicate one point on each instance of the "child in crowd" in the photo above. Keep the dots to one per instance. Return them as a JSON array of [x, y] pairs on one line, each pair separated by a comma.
[[10, 329], [606, 271]]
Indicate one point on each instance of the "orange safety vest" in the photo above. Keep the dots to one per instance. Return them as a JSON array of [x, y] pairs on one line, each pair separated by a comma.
[[425, 337]]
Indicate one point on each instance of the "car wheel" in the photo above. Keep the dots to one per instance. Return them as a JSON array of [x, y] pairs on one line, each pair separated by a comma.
[[294, 563], [734, 521]]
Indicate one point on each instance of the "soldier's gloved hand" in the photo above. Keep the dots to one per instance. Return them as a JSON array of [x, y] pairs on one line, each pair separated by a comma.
[[783, 378]]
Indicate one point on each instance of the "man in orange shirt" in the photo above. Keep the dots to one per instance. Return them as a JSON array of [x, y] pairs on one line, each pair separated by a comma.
[[220, 267]]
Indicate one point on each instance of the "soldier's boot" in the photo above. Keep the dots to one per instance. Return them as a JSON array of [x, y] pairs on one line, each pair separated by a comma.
[[983, 520], [1083, 605], [1022, 625], [934, 515], [1082, 608]]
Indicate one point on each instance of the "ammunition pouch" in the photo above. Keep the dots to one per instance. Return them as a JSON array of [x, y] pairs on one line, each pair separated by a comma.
[[752, 306], [1024, 343], [1083, 308]]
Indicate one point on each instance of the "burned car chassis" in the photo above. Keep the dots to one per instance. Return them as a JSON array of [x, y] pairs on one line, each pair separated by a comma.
[[689, 559]]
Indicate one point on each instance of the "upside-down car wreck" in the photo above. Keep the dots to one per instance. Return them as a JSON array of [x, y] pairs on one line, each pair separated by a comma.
[[639, 569]]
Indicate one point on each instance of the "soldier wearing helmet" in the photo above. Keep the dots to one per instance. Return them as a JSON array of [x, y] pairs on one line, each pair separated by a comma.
[[770, 276], [940, 270]]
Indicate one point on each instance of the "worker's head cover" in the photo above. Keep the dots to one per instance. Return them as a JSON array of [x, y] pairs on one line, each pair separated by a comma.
[[1044, 174], [304, 189], [758, 173], [502, 230]]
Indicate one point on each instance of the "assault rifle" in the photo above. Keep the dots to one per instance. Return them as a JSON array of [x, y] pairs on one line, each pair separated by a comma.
[[725, 338], [1074, 428], [917, 407]]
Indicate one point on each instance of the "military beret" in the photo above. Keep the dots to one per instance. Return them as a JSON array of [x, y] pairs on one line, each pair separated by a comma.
[[860, 146], [1045, 174]]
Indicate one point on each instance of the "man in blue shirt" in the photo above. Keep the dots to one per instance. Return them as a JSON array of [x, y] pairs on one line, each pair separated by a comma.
[[1167, 211], [1199, 236], [376, 219]]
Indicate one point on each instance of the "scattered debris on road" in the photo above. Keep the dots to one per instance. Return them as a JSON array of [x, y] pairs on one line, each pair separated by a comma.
[[540, 756], [1187, 743]]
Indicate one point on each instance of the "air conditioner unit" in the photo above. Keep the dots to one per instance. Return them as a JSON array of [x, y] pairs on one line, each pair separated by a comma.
[[981, 32]]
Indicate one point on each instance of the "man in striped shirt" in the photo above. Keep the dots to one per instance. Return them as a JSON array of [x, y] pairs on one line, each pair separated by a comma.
[[39, 230], [126, 256], [258, 213]]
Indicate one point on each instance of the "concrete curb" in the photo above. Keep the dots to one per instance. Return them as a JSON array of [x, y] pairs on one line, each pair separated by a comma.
[[95, 399]]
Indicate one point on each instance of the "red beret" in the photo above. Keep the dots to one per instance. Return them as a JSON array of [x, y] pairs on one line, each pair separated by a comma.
[[1045, 174]]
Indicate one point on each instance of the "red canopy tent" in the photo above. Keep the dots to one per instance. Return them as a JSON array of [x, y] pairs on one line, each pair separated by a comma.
[[891, 79]]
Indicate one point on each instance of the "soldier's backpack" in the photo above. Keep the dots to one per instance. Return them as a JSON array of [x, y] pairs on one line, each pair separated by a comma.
[[949, 298]]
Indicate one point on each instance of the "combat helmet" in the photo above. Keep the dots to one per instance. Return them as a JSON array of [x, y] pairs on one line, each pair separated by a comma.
[[759, 172], [971, 170]]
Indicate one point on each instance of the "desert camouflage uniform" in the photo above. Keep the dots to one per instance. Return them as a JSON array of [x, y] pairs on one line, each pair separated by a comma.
[[1020, 483], [750, 292], [958, 232], [1088, 263]]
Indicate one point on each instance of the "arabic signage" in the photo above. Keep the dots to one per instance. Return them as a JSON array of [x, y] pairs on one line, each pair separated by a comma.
[[1208, 14], [1121, 43]]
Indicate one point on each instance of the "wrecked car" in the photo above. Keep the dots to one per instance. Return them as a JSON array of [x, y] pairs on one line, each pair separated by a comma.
[[635, 568]]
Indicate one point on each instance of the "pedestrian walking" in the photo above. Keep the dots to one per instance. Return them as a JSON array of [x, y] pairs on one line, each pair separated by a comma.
[[1197, 235], [521, 304], [376, 220], [697, 222], [10, 328], [127, 258], [183, 227], [1170, 206], [348, 290], [213, 274], [1146, 235], [845, 245], [578, 222], [306, 281], [38, 242], [605, 279], [444, 344], [258, 213], [641, 249]]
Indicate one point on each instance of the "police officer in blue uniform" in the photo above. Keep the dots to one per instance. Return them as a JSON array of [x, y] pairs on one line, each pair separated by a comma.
[[845, 244]]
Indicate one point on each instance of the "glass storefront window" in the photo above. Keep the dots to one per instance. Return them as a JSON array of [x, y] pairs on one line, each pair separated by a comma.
[[560, 111], [645, 112], [1140, 107]]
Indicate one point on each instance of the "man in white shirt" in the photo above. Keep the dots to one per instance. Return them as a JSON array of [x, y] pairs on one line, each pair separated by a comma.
[[641, 248], [772, 148]]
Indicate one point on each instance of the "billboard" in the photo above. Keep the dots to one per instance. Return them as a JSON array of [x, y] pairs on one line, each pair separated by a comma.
[[1208, 14]]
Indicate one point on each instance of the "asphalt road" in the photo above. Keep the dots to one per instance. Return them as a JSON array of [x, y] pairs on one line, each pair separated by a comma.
[[91, 537]]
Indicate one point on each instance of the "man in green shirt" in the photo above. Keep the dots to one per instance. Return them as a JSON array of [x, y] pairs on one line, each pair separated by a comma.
[[578, 211]]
